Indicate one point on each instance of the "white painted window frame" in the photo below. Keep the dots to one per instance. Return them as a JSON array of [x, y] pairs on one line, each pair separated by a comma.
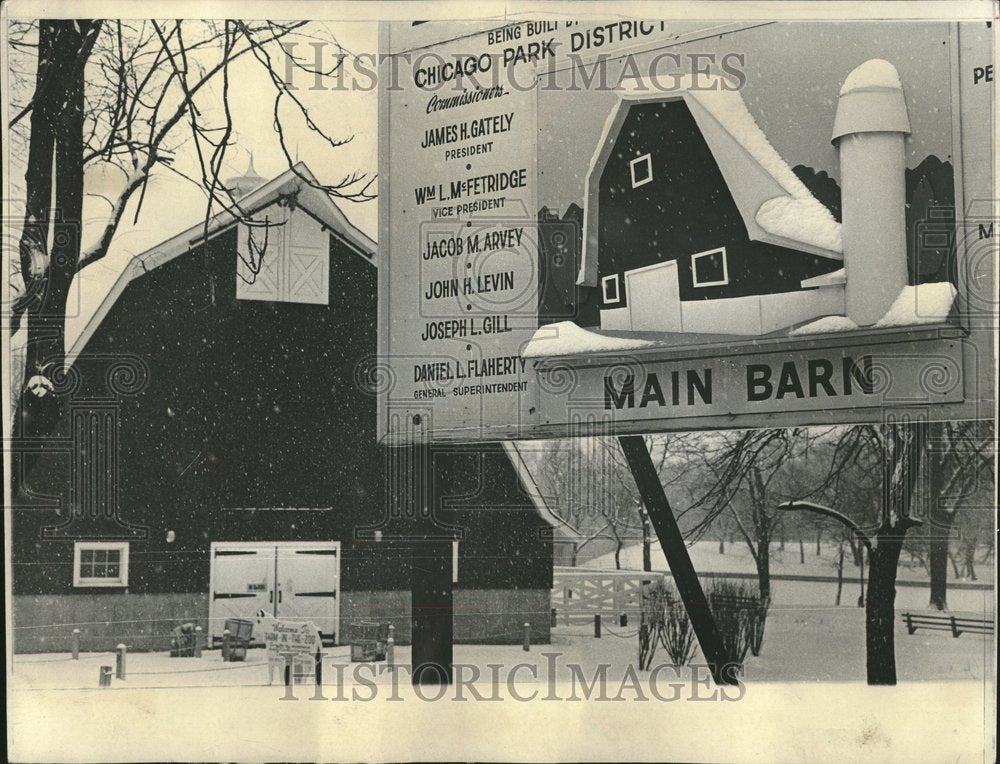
[[612, 279], [648, 159], [725, 268], [120, 546]]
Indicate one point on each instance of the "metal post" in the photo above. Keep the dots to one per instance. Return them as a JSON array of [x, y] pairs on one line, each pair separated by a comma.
[[597, 625], [431, 611], [527, 637], [390, 653], [431, 595], [198, 641], [104, 678], [120, 661], [553, 623], [76, 644], [225, 644], [672, 542]]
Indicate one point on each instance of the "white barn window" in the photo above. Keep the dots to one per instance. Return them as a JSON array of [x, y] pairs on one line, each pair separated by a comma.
[[710, 268], [610, 288], [293, 267], [100, 563], [642, 170]]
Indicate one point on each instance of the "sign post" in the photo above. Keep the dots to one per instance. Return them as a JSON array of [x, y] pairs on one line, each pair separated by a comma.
[[672, 542]]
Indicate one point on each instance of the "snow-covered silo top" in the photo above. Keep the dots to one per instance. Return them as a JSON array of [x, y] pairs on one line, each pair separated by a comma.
[[871, 101]]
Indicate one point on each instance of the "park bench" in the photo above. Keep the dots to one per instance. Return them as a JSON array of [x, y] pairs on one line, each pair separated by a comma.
[[955, 624]]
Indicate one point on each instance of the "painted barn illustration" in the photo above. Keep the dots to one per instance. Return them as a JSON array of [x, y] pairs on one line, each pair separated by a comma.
[[694, 224]]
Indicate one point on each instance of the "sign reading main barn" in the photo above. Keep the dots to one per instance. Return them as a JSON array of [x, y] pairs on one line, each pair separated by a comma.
[[601, 228]]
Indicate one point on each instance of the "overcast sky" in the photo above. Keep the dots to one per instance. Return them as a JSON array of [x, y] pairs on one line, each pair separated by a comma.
[[172, 204]]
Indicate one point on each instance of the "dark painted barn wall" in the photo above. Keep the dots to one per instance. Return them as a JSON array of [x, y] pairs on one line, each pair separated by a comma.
[[246, 422], [687, 208]]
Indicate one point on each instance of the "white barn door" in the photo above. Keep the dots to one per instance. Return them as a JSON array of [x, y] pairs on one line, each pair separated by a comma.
[[309, 585], [294, 580], [242, 582], [654, 298]]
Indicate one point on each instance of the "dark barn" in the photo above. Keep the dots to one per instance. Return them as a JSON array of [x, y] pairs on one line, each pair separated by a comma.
[[694, 223], [218, 455]]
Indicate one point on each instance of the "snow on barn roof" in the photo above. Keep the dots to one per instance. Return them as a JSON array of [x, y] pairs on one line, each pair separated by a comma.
[[775, 205], [293, 180]]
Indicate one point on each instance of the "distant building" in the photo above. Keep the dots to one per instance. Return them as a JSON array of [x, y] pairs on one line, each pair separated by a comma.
[[219, 454]]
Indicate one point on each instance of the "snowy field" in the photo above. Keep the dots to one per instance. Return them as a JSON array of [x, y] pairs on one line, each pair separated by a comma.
[[507, 704], [706, 559], [578, 698]]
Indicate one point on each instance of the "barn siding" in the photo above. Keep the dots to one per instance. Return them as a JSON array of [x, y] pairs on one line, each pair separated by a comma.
[[245, 421], [686, 209]]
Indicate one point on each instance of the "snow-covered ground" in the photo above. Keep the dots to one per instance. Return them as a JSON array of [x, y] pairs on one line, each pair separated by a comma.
[[804, 698], [736, 559]]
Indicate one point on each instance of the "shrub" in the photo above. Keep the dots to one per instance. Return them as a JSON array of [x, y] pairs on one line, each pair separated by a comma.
[[739, 616], [664, 621]]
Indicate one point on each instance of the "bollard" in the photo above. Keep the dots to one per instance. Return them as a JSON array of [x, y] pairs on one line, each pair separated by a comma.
[[76, 644], [318, 673], [225, 644], [120, 661], [527, 637], [597, 625], [390, 652], [198, 643], [623, 619], [553, 624], [105, 677]]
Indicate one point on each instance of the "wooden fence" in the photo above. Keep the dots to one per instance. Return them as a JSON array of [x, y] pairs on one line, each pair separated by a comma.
[[577, 593]]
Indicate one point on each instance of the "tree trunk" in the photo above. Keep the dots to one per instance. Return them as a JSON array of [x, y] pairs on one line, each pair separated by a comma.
[[802, 552], [647, 559], [940, 530], [880, 613], [902, 452], [722, 544], [819, 538], [970, 563], [857, 551], [840, 574], [954, 565], [618, 552], [763, 561], [55, 161], [941, 516]]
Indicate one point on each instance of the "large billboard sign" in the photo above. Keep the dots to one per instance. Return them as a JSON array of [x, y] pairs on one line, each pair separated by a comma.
[[646, 226]]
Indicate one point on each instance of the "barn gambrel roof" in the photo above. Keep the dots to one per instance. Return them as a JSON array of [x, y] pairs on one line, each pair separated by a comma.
[[776, 207], [297, 180]]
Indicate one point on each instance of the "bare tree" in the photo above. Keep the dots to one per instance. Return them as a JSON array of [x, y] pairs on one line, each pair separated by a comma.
[[131, 95], [751, 473], [894, 451], [960, 461]]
